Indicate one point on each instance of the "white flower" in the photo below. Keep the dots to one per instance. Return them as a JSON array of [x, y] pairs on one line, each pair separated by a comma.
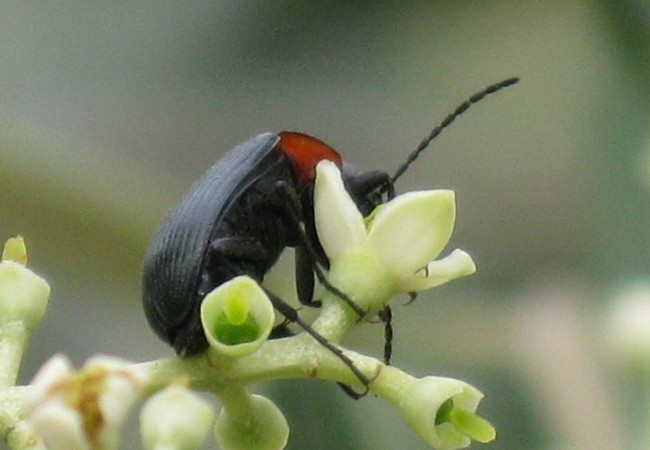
[[396, 245], [83, 409], [175, 418]]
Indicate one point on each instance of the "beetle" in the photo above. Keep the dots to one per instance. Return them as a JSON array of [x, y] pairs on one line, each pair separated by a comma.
[[239, 217], [236, 219]]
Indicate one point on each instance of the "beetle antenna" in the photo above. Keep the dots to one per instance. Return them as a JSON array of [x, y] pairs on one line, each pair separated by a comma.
[[460, 109]]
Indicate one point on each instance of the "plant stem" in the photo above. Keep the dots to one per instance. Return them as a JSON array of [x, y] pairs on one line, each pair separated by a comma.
[[13, 340], [20, 436], [13, 430], [299, 356]]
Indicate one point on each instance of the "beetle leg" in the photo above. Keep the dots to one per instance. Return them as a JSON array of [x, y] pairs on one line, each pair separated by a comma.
[[305, 277], [237, 255], [292, 315], [412, 297], [294, 208], [354, 395], [281, 330], [386, 315], [233, 255], [390, 189], [236, 247]]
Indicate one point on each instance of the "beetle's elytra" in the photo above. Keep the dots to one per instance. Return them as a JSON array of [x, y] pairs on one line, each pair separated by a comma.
[[241, 214]]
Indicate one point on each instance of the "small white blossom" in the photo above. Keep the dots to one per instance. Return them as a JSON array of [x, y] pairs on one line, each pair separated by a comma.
[[83, 409], [397, 245]]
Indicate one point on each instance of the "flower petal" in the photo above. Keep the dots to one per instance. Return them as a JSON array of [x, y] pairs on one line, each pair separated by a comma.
[[120, 393], [412, 229], [55, 369], [456, 265], [60, 427], [338, 221]]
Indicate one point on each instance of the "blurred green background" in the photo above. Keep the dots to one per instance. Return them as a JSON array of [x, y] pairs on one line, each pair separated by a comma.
[[109, 110]]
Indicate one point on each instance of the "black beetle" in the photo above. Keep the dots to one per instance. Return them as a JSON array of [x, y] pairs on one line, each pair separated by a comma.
[[238, 218]]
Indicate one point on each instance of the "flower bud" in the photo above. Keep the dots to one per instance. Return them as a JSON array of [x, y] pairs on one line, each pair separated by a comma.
[[175, 418], [23, 294], [237, 317], [441, 410], [251, 424], [15, 250]]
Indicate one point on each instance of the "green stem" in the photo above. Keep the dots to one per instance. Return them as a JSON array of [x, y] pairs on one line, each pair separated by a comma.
[[300, 356], [295, 357], [336, 319], [391, 384], [237, 401], [20, 436], [13, 340], [13, 430]]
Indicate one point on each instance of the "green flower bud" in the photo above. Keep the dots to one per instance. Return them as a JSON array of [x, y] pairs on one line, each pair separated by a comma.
[[251, 423], [175, 418], [15, 250], [23, 294], [441, 410], [237, 317]]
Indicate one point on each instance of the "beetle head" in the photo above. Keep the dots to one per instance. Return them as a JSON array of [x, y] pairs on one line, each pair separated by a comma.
[[366, 188]]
